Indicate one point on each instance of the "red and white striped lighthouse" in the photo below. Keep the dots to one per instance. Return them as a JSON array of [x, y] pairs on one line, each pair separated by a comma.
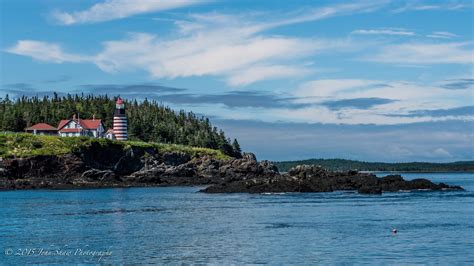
[[120, 121]]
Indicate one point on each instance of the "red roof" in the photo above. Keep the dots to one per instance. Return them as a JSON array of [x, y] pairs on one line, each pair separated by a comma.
[[42, 126], [119, 101], [62, 123], [85, 123], [89, 123], [70, 130]]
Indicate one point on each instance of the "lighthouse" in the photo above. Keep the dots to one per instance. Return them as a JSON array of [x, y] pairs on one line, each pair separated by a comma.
[[120, 121]]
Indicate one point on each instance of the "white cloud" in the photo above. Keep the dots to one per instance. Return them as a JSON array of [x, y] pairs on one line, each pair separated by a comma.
[[383, 31], [406, 97], [237, 48], [425, 53], [43, 51], [256, 73], [416, 6], [228, 49], [117, 9], [324, 88], [442, 35], [440, 152], [228, 46], [215, 53], [412, 7], [313, 14], [409, 95]]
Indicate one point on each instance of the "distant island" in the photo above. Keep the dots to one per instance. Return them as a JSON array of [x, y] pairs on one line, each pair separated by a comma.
[[345, 165]]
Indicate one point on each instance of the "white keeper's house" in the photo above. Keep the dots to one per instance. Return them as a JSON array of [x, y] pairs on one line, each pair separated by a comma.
[[76, 127]]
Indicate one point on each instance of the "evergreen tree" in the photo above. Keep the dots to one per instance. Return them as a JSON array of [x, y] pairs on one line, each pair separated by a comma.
[[148, 120], [236, 147]]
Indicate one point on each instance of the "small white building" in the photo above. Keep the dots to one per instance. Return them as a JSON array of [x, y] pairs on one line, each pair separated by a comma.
[[81, 127], [110, 134]]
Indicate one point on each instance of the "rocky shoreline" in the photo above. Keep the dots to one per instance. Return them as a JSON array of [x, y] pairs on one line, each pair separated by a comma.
[[311, 178], [96, 167]]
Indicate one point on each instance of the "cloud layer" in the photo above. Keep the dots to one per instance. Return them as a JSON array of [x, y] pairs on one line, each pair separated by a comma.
[[384, 31], [341, 101], [117, 9], [234, 47], [426, 53], [43, 51]]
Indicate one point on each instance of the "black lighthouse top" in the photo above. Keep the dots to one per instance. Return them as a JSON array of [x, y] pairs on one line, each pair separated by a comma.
[[119, 107]]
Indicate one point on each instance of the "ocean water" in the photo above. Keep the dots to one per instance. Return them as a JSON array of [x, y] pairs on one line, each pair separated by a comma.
[[178, 225]]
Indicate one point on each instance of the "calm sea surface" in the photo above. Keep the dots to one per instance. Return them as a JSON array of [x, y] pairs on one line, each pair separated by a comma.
[[174, 225]]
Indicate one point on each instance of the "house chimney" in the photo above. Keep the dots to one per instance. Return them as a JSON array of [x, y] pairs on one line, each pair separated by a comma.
[[93, 117], [74, 117]]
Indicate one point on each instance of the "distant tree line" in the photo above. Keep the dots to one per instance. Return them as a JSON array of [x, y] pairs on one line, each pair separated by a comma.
[[345, 165], [147, 120]]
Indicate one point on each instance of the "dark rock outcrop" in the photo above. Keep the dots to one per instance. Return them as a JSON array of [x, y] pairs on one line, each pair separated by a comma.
[[175, 158], [100, 175], [311, 178], [96, 166], [130, 162]]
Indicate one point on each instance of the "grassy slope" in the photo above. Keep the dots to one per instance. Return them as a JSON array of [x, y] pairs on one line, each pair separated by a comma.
[[26, 145]]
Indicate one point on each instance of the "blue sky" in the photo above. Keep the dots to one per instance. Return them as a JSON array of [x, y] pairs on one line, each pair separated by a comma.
[[369, 80]]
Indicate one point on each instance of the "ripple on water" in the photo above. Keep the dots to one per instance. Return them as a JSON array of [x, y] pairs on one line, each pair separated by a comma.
[[112, 211]]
